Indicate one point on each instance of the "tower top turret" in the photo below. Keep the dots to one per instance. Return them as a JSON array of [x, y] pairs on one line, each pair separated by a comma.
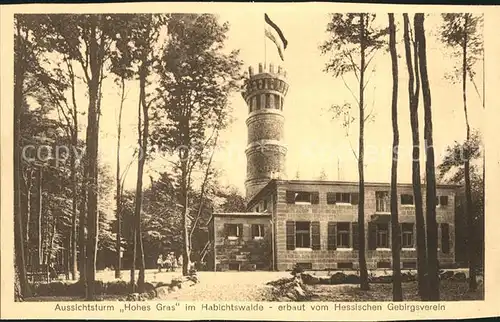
[[267, 78]]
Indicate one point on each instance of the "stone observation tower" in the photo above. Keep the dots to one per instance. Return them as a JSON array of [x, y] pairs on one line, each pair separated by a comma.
[[264, 92]]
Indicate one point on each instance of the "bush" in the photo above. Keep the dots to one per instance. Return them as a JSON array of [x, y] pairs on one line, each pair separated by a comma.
[[297, 269], [338, 278], [117, 288], [460, 277], [352, 279]]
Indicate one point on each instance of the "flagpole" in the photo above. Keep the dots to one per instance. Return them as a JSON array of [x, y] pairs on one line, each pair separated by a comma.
[[265, 45]]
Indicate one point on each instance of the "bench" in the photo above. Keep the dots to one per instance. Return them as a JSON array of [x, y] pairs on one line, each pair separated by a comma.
[[38, 276]]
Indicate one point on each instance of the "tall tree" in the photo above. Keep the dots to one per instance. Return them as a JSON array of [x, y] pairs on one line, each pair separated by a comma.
[[20, 69], [413, 94], [432, 236], [118, 183], [397, 291], [462, 32], [86, 39], [196, 78], [354, 35], [136, 46]]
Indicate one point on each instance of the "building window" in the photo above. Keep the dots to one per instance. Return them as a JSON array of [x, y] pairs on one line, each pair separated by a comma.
[[406, 199], [407, 235], [233, 231], [257, 209], [265, 205], [303, 234], [383, 235], [257, 231], [343, 197], [302, 197], [343, 235], [442, 201], [382, 201]]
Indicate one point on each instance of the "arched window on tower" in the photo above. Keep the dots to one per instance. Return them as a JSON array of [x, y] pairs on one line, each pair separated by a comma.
[[257, 98], [277, 102], [268, 100]]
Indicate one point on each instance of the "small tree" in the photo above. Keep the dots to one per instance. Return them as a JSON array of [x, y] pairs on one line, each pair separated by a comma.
[[462, 32], [353, 36]]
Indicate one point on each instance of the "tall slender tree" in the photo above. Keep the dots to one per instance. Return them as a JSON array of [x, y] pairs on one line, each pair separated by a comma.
[[353, 36], [432, 235], [196, 78], [462, 32], [397, 291], [413, 94]]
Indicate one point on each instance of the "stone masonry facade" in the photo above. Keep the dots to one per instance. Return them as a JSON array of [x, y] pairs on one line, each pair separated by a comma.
[[241, 242], [324, 216]]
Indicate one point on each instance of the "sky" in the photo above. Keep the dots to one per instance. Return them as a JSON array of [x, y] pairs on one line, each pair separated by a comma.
[[316, 142]]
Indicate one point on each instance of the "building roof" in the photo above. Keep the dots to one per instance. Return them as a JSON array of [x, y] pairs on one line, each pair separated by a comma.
[[242, 214], [238, 214]]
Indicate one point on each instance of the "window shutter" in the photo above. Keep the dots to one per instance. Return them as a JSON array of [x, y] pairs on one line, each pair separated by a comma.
[[355, 236], [315, 197], [338, 196], [354, 198], [330, 198], [226, 230], [445, 238], [290, 196], [255, 230], [443, 200], [240, 230], [315, 237], [372, 236], [400, 235], [290, 235], [332, 235]]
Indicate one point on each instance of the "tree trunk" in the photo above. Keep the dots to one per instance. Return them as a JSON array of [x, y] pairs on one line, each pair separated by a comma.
[[432, 259], [361, 207], [39, 217], [143, 141], [95, 62], [134, 254], [74, 206], [471, 240], [82, 224], [20, 262], [397, 291], [413, 94], [118, 187]]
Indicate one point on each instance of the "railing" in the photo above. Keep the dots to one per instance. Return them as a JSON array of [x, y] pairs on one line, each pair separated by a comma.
[[205, 250]]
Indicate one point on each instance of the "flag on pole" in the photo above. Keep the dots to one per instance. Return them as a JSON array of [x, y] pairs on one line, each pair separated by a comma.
[[274, 33]]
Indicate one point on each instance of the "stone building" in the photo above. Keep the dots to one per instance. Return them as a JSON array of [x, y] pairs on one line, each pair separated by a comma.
[[312, 223]]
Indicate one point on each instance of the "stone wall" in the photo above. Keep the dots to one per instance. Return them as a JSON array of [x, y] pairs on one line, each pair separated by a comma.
[[324, 213], [245, 252]]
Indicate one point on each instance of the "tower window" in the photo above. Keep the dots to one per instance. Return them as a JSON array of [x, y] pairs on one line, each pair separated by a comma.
[[277, 102], [268, 100], [257, 105]]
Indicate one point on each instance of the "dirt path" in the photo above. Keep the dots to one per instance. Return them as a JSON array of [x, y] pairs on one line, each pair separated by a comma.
[[228, 286]]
